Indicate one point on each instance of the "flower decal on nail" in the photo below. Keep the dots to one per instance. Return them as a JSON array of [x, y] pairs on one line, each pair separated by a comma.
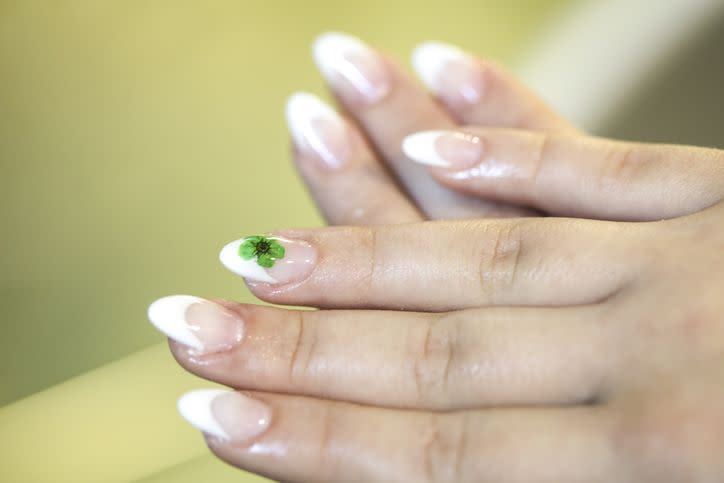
[[266, 250]]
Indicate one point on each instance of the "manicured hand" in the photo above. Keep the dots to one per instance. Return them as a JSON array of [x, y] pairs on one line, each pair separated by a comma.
[[522, 349], [354, 165], [526, 349], [493, 147]]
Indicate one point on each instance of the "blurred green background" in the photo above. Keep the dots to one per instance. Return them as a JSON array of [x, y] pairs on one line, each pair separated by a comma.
[[136, 137]]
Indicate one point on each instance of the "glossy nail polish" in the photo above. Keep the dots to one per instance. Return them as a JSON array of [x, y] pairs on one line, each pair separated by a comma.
[[197, 323], [448, 149], [351, 67], [318, 130], [224, 414], [269, 259], [449, 73]]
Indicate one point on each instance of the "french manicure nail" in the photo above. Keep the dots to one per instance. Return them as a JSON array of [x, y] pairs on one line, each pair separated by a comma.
[[198, 323], [351, 67], [448, 72], [269, 259], [447, 149], [317, 129], [225, 414]]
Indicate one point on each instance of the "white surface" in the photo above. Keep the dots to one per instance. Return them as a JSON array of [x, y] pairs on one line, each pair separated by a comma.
[[230, 258], [420, 147], [168, 314], [195, 407]]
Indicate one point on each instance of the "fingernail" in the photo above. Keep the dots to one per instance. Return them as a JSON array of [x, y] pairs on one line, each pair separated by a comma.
[[448, 72], [196, 322], [351, 67], [317, 129], [448, 149], [269, 259], [225, 414]]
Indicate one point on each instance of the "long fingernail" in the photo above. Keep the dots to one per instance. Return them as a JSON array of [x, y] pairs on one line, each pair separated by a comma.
[[317, 129], [448, 149], [269, 259], [354, 70], [225, 414], [196, 322], [448, 72]]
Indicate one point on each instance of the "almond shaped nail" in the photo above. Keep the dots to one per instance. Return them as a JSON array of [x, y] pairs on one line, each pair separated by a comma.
[[269, 259], [449, 72], [225, 414], [197, 323], [317, 129], [448, 149], [347, 58]]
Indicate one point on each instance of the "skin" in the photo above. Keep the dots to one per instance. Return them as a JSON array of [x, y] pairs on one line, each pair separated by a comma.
[[515, 349]]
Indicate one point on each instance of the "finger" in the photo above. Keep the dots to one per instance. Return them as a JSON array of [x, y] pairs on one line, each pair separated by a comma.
[[293, 438], [481, 92], [439, 266], [458, 360], [347, 182], [574, 175], [388, 105]]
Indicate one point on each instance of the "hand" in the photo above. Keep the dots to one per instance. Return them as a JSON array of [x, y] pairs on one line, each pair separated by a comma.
[[527, 349], [508, 350], [354, 166], [520, 159]]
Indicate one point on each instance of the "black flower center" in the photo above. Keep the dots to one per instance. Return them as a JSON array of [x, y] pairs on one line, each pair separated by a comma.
[[262, 247]]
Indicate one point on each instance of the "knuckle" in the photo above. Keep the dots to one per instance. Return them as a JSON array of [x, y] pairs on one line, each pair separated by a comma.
[[501, 256], [444, 447], [371, 248], [327, 464], [303, 353], [434, 355], [622, 162], [544, 145]]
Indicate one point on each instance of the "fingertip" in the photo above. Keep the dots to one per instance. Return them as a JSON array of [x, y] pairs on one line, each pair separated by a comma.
[[429, 59], [318, 130], [420, 148], [449, 72]]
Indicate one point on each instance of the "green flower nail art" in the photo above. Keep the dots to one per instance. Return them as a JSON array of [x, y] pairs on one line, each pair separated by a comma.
[[266, 250]]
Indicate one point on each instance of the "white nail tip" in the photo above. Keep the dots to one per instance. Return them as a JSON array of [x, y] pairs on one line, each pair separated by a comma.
[[420, 147], [249, 269], [195, 407], [303, 109], [168, 314], [429, 59], [330, 48]]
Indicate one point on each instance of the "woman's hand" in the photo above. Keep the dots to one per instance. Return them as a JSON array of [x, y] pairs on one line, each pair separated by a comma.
[[523, 349], [516, 156], [535, 349], [354, 166]]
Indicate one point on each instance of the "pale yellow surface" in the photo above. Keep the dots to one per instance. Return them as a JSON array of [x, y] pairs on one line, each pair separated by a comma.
[[136, 137]]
